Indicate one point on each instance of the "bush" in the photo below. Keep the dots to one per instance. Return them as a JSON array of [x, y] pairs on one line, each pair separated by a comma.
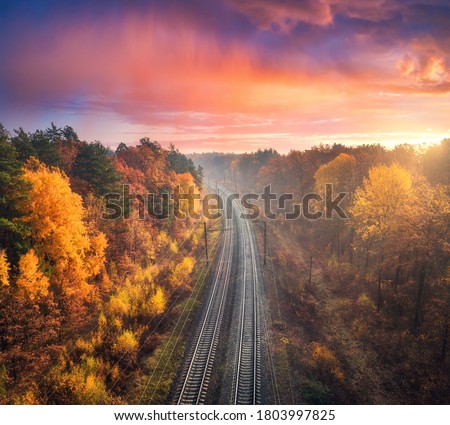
[[3, 377], [325, 363], [314, 392]]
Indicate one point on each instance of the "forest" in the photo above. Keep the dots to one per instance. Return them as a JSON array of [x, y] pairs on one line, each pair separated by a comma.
[[84, 301], [359, 307]]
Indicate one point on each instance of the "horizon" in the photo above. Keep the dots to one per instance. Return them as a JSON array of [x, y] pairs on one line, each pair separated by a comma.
[[417, 145], [231, 76]]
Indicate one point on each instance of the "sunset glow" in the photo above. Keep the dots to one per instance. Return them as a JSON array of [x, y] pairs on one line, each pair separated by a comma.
[[229, 74]]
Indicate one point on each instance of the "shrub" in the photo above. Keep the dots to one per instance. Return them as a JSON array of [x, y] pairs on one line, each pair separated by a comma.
[[314, 392], [325, 362]]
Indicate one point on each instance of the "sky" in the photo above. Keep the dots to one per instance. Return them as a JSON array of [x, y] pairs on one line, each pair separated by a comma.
[[228, 75]]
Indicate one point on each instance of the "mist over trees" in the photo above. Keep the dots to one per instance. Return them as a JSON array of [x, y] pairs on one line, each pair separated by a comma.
[[362, 303], [359, 306]]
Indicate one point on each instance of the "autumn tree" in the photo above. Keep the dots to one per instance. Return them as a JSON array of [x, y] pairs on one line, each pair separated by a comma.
[[145, 166], [180, 273], [406, 156], [426, 240], [54, 277], [158, 301], [4, 269], [341, 174], [243, 170], [436, 163], [31, 281], [68, 145], [59, 234], [376, 212], [273, 173], [29, 338]]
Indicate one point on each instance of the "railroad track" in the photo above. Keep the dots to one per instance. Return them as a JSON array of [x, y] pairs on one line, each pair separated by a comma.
[[248, 375], [195, 378], [195, 375]]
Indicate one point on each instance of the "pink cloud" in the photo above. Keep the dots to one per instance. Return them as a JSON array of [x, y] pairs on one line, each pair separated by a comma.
[[426, 66], [172, 78], [406, 65]]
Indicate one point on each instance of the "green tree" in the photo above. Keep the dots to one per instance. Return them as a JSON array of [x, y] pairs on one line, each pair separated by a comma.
[[11, 192], [93, 165], [22, 142], [45, 149], [69, 133], [53, 133], [181, 164]]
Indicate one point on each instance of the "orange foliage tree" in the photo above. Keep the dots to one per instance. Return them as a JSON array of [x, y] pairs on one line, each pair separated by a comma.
[[4, 269], [341, 174], [31, 281], [59, 234]]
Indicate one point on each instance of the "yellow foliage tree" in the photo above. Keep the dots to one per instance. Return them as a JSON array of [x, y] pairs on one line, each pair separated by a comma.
[[31, 280], [158, 301], [94, 391], [181, 271], [4, 269], [119, 303], [96, 259], [82, 383], [341, 172], [126, 343], [186, 184], [377, 210], [425, 236], [380, 201], [185, 181], [56, 216]]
